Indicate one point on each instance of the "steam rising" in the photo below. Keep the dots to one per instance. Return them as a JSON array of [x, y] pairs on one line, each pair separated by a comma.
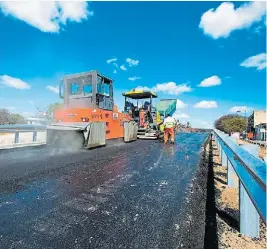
[[59, 140]]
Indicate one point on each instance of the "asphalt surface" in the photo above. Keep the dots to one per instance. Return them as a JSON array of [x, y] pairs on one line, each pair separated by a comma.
[[120, 196]]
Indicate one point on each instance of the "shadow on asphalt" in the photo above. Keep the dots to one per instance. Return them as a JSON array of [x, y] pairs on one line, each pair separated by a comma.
[[211, 236]]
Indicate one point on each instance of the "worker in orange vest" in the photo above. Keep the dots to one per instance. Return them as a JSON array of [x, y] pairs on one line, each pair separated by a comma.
[[169, 125], [142, 117]]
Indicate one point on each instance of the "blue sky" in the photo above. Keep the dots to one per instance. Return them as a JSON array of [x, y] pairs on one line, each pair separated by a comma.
[[211, 56]]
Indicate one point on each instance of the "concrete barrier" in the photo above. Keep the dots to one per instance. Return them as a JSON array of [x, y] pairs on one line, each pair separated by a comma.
[[14, 139], [130, 131], [96, 135]]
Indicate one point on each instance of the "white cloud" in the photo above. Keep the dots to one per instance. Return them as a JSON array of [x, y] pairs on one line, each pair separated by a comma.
[[180, 104], [258, 61], [144, 88], [115, 71], [134, 78], [222, 21], [115, 64], [234, 109], [211, 81], [47, 16], [112, 60], [132, 62], [169, 88], [74, 11], [14, 82], [178, 115], [122, 67], [172, 88], [54, 89], [206, 104]]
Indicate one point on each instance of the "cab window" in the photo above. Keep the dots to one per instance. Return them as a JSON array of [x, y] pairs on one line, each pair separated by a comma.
[[99, 85], [75, 88], [87, 89], [106, 89]]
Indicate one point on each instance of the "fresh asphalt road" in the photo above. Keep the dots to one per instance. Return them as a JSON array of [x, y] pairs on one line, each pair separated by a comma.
[[120, 196]]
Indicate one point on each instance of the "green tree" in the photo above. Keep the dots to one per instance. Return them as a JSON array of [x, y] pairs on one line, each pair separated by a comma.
[[231, 123], [4, 116], [15, 118], [10, 118], [188, 125], [52, 108]]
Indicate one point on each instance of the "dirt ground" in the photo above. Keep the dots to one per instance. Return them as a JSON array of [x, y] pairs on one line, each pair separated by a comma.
[[228, 214], [262, 150]]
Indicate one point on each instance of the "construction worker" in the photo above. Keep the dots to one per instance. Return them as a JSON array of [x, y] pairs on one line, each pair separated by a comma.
[[169, 125], [142, 117]]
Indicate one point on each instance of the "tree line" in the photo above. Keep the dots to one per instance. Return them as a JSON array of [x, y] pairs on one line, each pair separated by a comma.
[[7, 117], [11, 118]]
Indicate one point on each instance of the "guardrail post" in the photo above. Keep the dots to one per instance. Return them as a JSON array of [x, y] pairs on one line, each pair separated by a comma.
[[216, 139], [16, 137], [249, 217], [220, 151], [232, 178], [224, 159], [34, 138]]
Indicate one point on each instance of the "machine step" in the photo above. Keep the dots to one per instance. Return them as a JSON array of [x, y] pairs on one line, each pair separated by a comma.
[[142, 129], [146, 137]]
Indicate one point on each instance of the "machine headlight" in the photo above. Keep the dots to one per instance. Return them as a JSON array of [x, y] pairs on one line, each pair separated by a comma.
[[85, 119]]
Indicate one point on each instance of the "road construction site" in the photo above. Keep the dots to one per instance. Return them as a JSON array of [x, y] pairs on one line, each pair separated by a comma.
[[143, 194], [100, 178]]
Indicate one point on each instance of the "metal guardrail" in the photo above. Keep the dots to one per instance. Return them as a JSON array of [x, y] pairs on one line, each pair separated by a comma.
[[246, 172], [16, 142]]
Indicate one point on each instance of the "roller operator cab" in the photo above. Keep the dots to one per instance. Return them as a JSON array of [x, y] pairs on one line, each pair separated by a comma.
[[88, 105]]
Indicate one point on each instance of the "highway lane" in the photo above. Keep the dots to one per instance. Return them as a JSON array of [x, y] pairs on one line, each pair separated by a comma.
[[120, 196]]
